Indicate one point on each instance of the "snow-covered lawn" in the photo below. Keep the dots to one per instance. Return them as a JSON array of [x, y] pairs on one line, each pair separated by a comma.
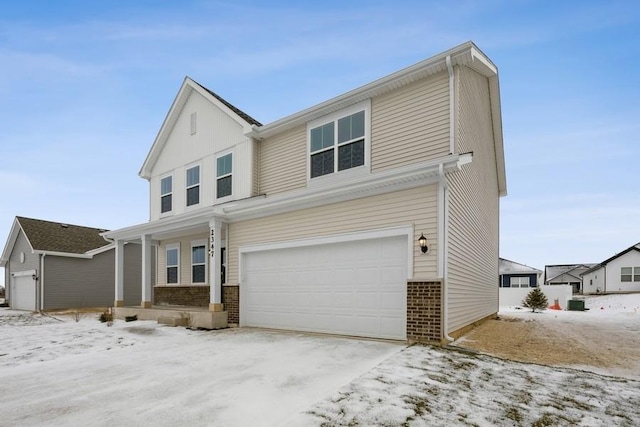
[[66, 373]]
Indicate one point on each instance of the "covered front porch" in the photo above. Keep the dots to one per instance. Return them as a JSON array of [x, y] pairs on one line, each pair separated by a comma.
[[183, 270]]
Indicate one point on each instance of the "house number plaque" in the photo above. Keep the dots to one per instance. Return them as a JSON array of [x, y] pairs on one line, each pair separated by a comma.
[[212, 248]]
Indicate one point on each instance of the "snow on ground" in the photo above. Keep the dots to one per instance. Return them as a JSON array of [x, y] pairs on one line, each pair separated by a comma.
[[66, 373]]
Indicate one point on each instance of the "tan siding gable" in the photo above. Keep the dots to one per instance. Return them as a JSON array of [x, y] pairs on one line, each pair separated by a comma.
[[410, 125], [369, 213], [283, 160], [473, 210]]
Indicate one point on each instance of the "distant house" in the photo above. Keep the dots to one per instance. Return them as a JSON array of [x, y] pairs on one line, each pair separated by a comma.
[[620, 273], [567, 274], [51, 265], [516, 275]]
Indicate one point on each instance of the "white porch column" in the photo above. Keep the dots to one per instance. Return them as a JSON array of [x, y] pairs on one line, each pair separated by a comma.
[[146, 272], [119, 282], [215, 266]]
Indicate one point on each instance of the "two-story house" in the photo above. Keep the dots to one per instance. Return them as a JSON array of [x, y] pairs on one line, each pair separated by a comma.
[[372, 214]]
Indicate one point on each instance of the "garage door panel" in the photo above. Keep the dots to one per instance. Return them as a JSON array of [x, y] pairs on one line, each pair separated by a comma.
[[352, 288]]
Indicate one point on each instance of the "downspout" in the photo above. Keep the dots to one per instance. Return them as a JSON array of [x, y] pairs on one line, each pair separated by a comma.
[[443, 203], [41, 279]]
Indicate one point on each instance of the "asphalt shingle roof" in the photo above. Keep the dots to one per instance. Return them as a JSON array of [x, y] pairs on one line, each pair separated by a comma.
[[236, 110], [60, 237]]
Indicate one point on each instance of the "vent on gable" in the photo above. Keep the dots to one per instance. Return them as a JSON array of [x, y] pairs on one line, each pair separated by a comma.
[[194, 119]]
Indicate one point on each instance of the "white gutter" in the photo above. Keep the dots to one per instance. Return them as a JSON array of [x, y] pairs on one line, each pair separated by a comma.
[[41, 279]]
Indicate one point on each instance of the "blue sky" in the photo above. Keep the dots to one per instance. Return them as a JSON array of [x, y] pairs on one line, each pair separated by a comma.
[[85, 87]]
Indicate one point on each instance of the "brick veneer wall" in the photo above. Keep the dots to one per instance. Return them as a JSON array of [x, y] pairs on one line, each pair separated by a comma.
[[231, 301], [424, 311], [190, 296]]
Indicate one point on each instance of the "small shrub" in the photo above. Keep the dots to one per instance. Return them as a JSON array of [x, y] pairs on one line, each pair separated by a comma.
[[76, 315], [535, 300], [106, 316]]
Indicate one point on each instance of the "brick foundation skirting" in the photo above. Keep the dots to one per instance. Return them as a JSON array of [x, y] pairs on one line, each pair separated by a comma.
[[190, 296], [424, 311], [231, 301]]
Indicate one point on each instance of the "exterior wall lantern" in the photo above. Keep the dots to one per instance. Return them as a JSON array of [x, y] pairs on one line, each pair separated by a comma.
[[422, 241]]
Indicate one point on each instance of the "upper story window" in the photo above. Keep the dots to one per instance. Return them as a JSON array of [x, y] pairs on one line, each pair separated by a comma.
[[224, 172], [338, 145], [166, 191], [193, 186], [173, 265]]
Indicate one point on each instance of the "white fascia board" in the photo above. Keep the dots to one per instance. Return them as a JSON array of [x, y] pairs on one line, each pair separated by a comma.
[[394, 180], [164, 225], [11, 241], [63, 254]]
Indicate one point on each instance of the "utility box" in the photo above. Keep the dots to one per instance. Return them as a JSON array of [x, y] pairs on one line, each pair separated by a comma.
[[576, 305]]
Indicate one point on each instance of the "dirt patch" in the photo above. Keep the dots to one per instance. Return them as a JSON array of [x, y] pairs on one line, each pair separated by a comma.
[[548, 340]]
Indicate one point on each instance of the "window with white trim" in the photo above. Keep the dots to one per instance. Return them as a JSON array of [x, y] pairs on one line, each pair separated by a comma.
[[193, 186], [519, 282], [166, 193], [337, 145], [224, 173], [198, 262], [636, 274], [173, 264], [626, 274]]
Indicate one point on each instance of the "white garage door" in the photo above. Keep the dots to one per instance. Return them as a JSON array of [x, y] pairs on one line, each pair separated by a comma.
[[23, 293], [351, 288]]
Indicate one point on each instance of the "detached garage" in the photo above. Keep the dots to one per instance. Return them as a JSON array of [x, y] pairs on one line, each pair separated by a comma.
[[350, 287], [50, 265]]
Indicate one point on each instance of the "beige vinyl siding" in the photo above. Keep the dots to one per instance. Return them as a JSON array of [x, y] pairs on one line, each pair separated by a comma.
[[411, 124], [185, 260], [255, 189], [415, 206], [283, 161], [473, 235]]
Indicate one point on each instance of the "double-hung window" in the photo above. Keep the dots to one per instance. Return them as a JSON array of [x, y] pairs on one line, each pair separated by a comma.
[[626, 274], [193, 186], [166, 191], [636, 274], [173, 266], [519, 282], [224, 173], [337, 145], [198, 262]]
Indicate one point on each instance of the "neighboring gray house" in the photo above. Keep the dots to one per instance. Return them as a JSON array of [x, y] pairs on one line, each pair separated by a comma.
[[50, 265], [516, 275], [620, 273], [567, 274]]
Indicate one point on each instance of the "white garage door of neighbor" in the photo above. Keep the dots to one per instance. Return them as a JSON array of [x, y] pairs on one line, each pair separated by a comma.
[[23, 293], [354, 288]]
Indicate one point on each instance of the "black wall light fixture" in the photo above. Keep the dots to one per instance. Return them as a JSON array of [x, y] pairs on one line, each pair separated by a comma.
[[422, 241]]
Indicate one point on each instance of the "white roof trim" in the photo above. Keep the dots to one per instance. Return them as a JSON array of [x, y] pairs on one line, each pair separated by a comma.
[[380, 183], [11, 241], [188, 86]]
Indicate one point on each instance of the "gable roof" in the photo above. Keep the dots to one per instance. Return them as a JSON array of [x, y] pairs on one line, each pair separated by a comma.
[[55, 237], [506, 266], [554, 271], [466, 54], [188, 87], [635, 247]]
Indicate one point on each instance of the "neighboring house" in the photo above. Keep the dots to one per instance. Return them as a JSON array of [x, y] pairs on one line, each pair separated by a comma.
[[515, 275], [620, 273], [312, 222], [50, 265], [566, 274]]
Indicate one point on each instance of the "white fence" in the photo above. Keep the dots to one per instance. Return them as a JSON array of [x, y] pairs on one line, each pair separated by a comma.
[[510, 297]]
